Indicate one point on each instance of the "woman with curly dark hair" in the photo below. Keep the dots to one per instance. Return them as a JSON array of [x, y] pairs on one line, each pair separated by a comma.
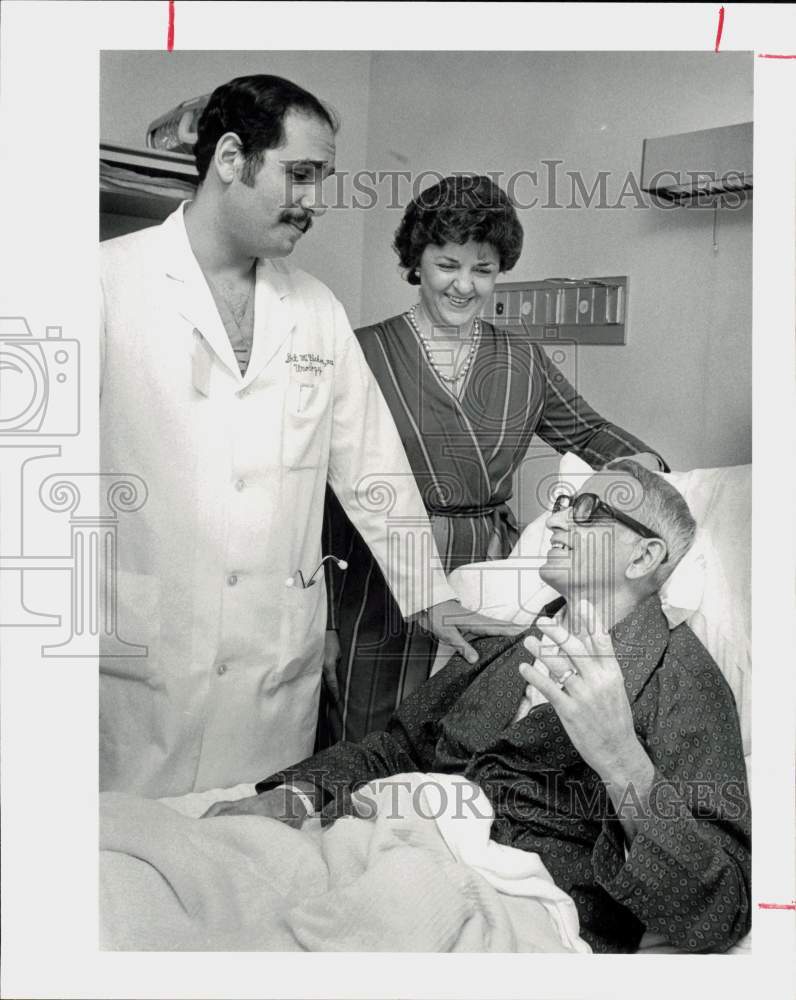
[[467, 398]]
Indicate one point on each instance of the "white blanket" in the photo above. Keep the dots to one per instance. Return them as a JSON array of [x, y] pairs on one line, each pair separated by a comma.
[[419, 874]]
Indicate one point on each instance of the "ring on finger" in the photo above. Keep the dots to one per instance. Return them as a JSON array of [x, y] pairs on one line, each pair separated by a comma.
[[562, 680]]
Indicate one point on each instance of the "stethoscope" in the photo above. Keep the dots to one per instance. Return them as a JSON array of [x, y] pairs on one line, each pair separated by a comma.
[[298, 578]]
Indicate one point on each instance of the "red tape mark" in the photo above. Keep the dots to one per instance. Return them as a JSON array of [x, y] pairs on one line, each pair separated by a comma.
[[760, 55], [777, 906], [170, 34]]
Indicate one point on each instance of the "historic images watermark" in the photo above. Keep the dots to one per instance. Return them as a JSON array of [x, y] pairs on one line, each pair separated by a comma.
[[40, 403], [544, 794], [550, 186]]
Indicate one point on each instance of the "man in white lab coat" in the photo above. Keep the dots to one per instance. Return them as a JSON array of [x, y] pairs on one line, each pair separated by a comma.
[[233, 386]]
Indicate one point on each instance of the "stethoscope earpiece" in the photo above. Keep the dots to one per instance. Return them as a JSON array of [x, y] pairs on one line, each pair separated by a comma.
[[291, 580]]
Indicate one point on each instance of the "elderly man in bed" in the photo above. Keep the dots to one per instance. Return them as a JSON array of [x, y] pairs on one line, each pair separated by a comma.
[[615, 754]]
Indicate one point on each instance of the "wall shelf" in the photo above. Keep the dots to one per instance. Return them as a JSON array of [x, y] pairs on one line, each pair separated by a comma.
[[141, 187], [136, 203], [149, 161]]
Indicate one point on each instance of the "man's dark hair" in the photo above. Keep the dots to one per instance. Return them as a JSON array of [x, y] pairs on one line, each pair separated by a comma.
[[254, 108], [458, 209]]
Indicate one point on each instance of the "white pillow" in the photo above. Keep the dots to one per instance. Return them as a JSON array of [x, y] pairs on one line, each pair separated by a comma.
[[721, 502], [710, 588]]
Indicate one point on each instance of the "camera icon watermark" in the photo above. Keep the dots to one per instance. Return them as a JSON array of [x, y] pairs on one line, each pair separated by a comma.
[[39, 381], [40, 399]]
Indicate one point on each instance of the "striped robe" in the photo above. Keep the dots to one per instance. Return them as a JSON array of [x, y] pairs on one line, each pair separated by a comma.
[[463, 452]]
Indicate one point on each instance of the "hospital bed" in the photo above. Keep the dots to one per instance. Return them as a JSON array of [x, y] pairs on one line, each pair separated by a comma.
[[710, 590]]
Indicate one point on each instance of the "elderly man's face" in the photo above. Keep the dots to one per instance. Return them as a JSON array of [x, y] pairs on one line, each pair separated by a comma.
[[589, 560]]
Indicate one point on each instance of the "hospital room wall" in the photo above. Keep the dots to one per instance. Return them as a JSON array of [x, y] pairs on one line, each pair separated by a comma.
[[683, 380], [136, 87]]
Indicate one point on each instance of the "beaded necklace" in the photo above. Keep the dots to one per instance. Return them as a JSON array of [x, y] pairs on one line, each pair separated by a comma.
[[412, 317]]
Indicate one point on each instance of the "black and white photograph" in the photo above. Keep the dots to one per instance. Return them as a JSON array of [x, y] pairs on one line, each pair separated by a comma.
[[407, 517]]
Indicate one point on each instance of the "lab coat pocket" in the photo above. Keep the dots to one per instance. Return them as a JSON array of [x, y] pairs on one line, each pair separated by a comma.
[[306, 396], [306, 424], [138, 620], [302, 632]]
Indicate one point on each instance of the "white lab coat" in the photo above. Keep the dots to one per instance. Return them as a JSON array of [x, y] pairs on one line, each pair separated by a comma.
[[235, 469]]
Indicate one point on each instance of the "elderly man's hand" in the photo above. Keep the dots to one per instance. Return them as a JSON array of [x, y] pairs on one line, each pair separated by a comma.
[[277, 803], [587, 690], [447, 621]]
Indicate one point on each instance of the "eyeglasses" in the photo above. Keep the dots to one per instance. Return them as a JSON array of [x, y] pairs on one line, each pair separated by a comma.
[[586, 508]]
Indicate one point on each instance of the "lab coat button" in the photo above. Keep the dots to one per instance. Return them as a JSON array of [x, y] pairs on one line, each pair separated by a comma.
[[240, 485], [221, 669], [232, 579]]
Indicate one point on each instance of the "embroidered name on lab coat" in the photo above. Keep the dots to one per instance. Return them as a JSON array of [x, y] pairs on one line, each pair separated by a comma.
[[307, 364]]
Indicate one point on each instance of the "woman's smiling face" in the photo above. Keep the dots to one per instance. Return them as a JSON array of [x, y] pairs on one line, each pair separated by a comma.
[[456, 280]]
